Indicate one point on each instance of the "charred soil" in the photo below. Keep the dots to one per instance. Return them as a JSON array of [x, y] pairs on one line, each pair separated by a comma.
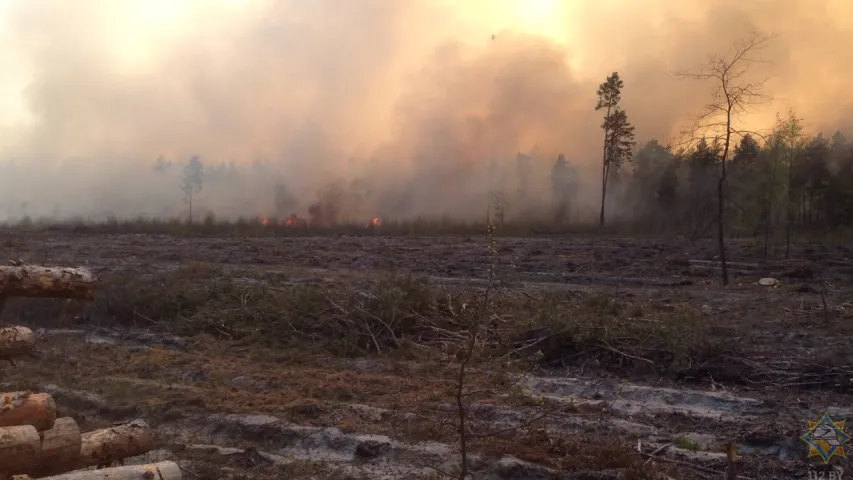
[[338, 357]]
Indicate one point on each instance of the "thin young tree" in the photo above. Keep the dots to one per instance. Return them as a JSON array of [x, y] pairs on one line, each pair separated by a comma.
[[794, 143], [191, 182], [733, 94], [618, 133]]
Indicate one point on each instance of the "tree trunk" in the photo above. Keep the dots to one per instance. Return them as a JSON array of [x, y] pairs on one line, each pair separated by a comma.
[[190, 222], [102, 447], [811, 208], [789, 216], [788, 223], [24, 408], [151, 471], [603, 194], [771, 203], [721, 195], [604, 170], [766, 234], [59, 446], [16, 341], [721, 238], [54, 282], [790, 206], [19, 449]]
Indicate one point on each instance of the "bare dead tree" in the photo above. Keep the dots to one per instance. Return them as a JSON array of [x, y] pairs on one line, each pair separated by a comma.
[[733, 95]]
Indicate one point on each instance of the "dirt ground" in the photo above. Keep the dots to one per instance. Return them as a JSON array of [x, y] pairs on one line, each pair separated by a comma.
[[335, 357]]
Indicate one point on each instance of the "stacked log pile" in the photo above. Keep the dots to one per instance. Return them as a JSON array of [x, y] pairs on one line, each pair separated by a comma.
[[35, 440]]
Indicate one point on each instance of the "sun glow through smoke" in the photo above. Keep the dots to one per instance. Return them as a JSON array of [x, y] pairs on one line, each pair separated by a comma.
[[414, 96]]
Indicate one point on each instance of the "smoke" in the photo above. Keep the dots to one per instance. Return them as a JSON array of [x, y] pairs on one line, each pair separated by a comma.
[[377, 106]]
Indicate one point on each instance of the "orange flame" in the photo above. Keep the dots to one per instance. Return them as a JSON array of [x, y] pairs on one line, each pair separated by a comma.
[[265, 221], [294, 221], [375, 222]]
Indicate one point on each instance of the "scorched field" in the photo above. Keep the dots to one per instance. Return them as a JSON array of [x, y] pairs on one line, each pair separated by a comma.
[[391, 357]]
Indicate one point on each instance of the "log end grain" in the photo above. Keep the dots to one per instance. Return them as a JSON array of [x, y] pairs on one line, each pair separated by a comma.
[[15, 341], [60, 447], [168, 470], [19, 449], [25, 408]]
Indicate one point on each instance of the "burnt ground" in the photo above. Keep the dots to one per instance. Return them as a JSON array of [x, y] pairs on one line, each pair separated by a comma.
[[322, 357]]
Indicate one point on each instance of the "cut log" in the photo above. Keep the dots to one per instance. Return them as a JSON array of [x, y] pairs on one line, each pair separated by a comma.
[[39, 281], [25, 408], [16, 341], [19, 449], [151, 471], [741, 265], [102, 447], [710, 270], [60, 447]]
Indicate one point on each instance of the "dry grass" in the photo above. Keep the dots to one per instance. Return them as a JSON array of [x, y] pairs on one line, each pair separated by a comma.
[[407, 317], [400, 315], [161, 385], [251, 466], [575, 453]]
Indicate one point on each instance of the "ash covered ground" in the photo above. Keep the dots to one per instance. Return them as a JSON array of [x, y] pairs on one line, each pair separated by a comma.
[[338, 357]]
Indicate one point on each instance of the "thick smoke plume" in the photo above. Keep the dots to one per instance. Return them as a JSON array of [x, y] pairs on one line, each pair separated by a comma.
[[351, 109]]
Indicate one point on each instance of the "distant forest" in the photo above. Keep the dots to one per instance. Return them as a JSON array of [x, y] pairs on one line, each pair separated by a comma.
[[784, 181]]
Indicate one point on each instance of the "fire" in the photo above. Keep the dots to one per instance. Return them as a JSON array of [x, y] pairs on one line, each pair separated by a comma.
[[295, 221], [265, 221], [375, 222]]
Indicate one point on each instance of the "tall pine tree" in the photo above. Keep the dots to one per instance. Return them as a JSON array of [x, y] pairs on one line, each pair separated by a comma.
[[618, 133]]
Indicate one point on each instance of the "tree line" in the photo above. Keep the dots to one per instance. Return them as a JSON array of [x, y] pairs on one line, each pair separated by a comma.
[[719, 179], [785, 182], [747, 183]]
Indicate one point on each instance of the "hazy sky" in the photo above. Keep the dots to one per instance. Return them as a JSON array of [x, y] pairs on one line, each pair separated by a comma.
[[416, 86]]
